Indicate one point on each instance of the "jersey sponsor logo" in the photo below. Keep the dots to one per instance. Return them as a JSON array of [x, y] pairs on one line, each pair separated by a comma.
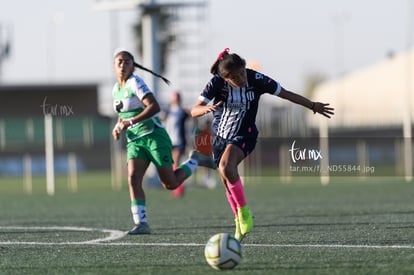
[[236, 105], [249, 96]]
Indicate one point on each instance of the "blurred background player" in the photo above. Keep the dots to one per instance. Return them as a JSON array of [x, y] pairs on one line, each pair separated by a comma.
[[235, 92], [175, 118], [147, 140]]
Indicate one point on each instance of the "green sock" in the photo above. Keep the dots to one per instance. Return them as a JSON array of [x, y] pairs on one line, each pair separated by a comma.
[[137, 202]]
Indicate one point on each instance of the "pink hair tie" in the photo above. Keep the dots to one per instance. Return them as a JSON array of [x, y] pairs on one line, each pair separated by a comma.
[[221, 55]]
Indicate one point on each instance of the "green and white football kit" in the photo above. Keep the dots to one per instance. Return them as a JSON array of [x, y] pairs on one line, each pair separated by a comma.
[[146, 139]]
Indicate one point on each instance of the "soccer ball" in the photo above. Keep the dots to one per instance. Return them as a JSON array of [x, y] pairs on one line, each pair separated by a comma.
[[223, 251]]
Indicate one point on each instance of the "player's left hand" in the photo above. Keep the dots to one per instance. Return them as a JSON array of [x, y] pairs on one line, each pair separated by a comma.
[[323, 109]]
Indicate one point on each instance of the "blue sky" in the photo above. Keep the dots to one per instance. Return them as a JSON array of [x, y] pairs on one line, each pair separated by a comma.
[[68, 41]]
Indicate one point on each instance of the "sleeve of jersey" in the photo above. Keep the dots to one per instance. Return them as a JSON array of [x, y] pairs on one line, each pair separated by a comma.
[[140, 88], [210, 90], [267, 84]]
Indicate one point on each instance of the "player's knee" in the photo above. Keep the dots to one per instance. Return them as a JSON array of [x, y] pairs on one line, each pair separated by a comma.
[[226, 170], [132, 178]]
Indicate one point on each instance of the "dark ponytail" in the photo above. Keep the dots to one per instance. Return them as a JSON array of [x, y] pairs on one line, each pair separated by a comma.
[[226, 63], [120, 50], [150, 71]]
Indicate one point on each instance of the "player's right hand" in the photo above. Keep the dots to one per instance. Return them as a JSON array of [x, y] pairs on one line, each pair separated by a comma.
[[115, 135], [116, 132], [212, 108]]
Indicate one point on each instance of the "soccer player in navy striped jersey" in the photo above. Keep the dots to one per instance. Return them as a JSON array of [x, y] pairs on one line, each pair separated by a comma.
[[234, 92]]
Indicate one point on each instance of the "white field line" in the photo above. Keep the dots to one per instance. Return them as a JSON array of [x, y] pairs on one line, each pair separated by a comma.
[[114, 235]]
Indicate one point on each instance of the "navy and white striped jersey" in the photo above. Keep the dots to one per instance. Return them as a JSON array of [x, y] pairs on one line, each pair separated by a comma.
[[237, 115]]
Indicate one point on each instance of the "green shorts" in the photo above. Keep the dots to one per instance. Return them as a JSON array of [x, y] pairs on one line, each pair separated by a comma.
[[155, 147]]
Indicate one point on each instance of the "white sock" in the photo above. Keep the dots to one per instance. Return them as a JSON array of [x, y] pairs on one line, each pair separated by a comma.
[[139, 213], [191, 165]]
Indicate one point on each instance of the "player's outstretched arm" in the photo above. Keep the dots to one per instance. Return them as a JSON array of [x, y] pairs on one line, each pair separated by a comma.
[[316, 107]]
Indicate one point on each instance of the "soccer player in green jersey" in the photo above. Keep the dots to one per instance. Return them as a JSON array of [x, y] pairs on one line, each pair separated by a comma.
[[147, 140]]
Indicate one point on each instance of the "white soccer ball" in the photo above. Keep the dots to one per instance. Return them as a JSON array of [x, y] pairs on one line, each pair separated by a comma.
[[223, 251]]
